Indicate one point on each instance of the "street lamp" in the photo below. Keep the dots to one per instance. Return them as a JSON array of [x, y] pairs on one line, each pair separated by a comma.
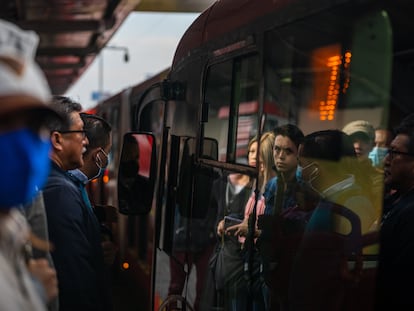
[[101, 65]]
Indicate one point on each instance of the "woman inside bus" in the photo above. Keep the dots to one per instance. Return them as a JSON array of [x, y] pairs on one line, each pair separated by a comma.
[[255, 281], [266, 172], [229, 195]]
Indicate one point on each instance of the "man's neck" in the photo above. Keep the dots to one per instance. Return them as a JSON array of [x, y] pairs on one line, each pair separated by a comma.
[[403, 190]]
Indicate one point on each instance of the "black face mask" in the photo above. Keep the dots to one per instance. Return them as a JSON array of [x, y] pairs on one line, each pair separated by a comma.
[[129, 168]]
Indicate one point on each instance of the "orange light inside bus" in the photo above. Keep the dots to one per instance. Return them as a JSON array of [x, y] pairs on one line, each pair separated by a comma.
[[327, 63], [125, 265], [105, 177]]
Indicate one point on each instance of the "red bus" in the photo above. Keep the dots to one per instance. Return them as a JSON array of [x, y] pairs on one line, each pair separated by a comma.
[[241, 68]]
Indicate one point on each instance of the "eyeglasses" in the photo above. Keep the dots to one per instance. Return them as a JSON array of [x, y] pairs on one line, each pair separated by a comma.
[[392, 153], [83, 132]]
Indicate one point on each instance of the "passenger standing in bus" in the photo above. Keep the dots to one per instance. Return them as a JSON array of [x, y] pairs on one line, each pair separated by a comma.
[[396, 270], [371, 180], [72, 225], [288, 137], [229, 195], [280, 194], [362, 134], [328, 264], [266, 173], [24, 145], [383, 138], [253, 291]]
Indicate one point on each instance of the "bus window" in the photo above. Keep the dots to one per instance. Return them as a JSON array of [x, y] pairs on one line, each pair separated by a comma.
[[322, 77], [231, 93], [322, 73]]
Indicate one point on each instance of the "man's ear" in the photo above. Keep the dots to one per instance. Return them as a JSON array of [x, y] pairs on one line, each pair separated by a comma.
[[56, 140]]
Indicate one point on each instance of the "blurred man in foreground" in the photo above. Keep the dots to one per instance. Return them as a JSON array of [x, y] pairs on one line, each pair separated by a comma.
[[24, 145]]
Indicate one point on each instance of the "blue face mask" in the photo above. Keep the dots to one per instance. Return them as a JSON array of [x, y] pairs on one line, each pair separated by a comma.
[[25, 159], [377, 156]]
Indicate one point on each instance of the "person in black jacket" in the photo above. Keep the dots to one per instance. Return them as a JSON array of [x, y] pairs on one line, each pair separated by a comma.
[[396, 270], [73, 228]]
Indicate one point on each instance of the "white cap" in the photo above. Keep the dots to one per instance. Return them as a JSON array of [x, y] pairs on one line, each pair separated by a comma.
[[360, 126], [20, 76]]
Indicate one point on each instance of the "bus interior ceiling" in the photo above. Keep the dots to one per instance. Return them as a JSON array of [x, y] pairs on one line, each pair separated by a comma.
[[71, 32]]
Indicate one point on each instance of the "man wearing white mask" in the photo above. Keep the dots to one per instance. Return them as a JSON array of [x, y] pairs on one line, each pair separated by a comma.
[[95, 160]]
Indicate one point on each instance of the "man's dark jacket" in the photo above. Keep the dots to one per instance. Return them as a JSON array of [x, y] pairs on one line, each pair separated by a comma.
[[77, 253]]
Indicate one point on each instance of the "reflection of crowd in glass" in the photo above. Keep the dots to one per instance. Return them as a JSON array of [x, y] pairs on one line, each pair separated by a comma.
[[314, 245]]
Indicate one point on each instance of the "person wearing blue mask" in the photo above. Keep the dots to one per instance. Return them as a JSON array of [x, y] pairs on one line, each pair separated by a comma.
[[24, 144], [362, 135], [383, 138]]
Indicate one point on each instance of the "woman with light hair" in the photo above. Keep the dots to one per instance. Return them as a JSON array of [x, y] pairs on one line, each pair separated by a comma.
[[263, 160]]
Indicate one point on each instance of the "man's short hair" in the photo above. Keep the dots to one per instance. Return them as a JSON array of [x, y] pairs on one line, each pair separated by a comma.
[[64, 106], [98, 131], [291, 131]]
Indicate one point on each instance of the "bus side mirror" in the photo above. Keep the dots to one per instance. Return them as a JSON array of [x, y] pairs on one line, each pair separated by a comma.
[[136, 174]]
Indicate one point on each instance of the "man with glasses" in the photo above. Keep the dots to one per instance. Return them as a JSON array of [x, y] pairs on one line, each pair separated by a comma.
[[73, 227], [396, 269]]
